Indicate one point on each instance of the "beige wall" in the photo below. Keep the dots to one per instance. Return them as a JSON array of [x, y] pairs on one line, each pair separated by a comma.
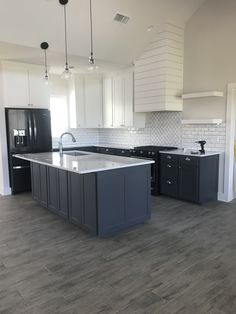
[[4, 178], [210, 57]]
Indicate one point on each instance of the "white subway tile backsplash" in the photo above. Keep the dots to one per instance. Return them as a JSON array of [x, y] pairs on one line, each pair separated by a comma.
[[214, 135], [83, 137], [162, 128]]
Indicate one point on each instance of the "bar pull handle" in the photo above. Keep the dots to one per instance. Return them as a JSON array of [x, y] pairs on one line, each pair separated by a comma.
[[20, 167], [30, 129], [35, 127]]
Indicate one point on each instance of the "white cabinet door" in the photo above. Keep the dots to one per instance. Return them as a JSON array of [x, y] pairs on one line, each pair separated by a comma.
[[93, 101], [107, 102], [79, 101], [128, 99], [39, 94], [15, 86], [118, 98]]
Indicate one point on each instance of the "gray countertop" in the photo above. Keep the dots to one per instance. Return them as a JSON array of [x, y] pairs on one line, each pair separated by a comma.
[[86, 163], [188, 153]]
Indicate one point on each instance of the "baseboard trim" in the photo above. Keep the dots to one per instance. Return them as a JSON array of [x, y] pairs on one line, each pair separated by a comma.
[[6, 192], [223, 198]]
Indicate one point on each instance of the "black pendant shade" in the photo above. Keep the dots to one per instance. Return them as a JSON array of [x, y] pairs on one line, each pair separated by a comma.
[[44, 45], [63, 2]]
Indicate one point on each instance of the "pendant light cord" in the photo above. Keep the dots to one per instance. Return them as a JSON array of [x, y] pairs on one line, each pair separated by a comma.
[[66, 47], [91, 28], [46, 63]]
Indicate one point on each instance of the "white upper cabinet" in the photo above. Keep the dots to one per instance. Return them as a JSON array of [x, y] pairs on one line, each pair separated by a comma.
[[118, 105], [86, 101], [79, 101], [107, 102], [93, 101], [15, 86], [39, 95], [129, 100], [23, 86]]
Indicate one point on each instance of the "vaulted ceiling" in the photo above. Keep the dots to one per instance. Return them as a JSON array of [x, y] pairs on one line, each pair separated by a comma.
[[29, 22]]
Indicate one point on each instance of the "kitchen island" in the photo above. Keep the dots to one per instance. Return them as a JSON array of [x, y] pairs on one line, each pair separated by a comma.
[[102, 194]]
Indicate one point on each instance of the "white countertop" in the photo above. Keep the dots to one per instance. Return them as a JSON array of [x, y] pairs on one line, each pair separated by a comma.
[[86, 163], [188, 153]]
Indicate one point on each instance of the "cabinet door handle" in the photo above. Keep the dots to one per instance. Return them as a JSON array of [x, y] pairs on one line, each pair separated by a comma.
[[35, 127], [169, 182], [187, 159], [20, 167], [169, 157], [169, 166], [30, 128]]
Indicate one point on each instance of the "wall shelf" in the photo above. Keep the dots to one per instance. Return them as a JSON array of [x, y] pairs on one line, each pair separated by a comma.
[[202, 121], [203, 94]]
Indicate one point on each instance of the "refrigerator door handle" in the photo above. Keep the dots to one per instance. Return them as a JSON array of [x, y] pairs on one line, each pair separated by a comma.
[[35, 127], [20, 167], [30, 129]]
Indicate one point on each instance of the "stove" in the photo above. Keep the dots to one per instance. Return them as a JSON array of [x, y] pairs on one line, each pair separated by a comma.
[[152, 152]]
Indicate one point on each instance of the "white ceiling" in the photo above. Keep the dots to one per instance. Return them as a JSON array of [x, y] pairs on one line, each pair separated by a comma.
[[29, 22]]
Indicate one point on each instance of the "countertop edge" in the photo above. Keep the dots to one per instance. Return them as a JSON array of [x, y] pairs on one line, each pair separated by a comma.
[[147, 162], [181, 153]]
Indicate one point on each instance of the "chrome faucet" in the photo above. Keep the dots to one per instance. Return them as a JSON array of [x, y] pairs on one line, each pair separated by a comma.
[[60, 146]]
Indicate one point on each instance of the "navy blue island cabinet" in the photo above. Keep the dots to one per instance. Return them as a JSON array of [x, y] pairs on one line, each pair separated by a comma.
[[102, 203]]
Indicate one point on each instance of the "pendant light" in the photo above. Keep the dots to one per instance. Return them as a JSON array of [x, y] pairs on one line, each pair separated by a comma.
[[45, 46], [91, 57], [67, 73]]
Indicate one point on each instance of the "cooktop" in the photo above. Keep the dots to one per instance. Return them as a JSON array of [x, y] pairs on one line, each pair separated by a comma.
[[154, 148]]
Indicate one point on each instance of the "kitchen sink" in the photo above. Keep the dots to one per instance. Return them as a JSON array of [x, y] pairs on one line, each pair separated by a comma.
[[74, 153]]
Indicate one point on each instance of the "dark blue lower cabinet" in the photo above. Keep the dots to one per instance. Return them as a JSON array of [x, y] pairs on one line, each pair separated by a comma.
[[102, 203], [123, 199], [50, 188], [39, 183], [190, 178], [82, 201]]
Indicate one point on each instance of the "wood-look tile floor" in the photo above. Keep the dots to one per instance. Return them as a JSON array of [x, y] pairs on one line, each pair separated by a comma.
[[182, 261]]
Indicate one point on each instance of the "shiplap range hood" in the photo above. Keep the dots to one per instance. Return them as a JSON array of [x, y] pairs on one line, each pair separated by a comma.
[[158, 73]]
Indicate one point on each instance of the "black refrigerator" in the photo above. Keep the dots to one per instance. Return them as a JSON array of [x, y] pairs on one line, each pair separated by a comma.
[[28, 131]]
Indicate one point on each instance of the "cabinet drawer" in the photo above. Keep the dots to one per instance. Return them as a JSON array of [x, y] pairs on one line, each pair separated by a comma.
[[169, 158], [189, 160], [169, 186], [169, 170]]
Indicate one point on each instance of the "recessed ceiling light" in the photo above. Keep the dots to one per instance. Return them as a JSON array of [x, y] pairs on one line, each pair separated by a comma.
[[150, 28]]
